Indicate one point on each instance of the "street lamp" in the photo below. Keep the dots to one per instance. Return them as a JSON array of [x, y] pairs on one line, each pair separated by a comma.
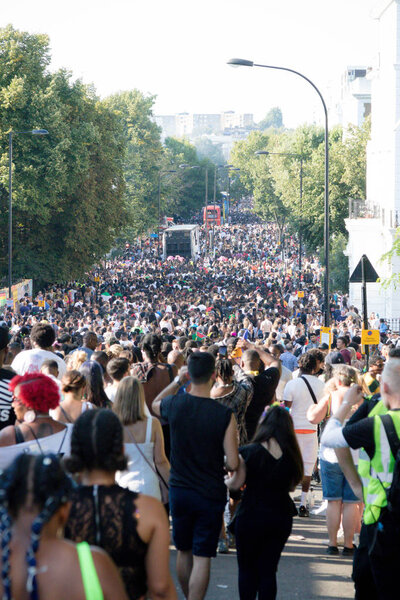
[[160, 174], [240, 62], [10, 149], [229, 186], [266, 153], [186, 166]]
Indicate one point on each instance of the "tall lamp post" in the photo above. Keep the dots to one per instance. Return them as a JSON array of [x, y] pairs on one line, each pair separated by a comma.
[[217, 168], [229, 186], [265, 152], [10, 240], [240, 62], [186, 166], [160, 174]]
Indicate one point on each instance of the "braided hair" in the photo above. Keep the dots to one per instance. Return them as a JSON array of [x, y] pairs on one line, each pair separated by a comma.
[[223, 369], [35, 481], [97, 443]]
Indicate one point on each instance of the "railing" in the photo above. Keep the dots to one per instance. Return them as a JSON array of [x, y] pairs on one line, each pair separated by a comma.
[[361, 209], [394, 324]]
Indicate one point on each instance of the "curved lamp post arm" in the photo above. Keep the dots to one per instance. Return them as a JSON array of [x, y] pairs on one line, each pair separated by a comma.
[[240, 62]]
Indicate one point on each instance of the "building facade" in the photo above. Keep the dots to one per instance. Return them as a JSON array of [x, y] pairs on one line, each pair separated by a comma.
[[372, 225]]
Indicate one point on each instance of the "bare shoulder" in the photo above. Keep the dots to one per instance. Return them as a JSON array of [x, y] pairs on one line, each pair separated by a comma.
[[7, 436], [147, 506]]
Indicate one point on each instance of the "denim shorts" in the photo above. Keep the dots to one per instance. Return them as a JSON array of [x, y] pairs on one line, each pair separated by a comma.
[[334, 484], [196, 521]]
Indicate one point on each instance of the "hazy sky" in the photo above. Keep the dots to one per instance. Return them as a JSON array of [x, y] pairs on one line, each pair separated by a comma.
[[177, 49]]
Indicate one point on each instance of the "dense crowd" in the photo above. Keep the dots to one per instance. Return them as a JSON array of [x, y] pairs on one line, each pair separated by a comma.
[[171, 382]]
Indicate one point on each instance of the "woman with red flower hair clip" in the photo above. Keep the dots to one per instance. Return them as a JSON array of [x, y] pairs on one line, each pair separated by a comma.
[[35, 432]]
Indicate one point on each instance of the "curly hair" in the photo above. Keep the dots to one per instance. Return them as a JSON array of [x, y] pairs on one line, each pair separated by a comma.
[[37, 391], [97, 443]]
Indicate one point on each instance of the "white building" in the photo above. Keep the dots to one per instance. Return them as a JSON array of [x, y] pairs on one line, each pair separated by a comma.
[[372, 227], [355, 101]]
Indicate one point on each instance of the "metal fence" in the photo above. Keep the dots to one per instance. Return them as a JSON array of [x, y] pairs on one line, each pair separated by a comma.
[[361, 209]]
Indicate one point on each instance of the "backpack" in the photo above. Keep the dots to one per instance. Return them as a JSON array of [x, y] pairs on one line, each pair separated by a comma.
[[386, 540]]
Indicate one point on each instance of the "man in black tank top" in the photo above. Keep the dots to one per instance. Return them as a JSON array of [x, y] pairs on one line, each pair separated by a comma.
[[202, 432]]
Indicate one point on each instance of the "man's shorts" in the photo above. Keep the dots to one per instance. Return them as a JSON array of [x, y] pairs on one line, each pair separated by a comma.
[[334, 484], [196, 521], [308, 443]]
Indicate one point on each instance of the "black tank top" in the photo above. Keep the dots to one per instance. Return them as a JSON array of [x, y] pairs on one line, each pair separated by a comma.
[[105, 516]]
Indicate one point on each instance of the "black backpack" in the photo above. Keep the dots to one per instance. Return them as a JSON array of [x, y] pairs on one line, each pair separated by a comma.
[[386, 541]]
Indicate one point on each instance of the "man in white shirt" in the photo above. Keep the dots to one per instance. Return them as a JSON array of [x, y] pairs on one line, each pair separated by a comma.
[[42, 339], [299, 394]]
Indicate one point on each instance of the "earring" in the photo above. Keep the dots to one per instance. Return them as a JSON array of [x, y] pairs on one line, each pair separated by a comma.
[[29, 416]]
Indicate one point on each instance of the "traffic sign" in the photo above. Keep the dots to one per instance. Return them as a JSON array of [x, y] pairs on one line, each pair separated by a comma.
[[371, 276], [370, 336], [326, 336]]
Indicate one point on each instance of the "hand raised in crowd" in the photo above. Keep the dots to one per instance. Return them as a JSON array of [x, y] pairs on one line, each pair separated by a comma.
[[354, 395]]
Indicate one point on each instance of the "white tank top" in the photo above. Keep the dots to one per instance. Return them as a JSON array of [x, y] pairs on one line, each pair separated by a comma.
[[139, 477]]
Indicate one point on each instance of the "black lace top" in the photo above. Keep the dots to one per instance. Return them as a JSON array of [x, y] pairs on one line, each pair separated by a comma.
[[105, 516]]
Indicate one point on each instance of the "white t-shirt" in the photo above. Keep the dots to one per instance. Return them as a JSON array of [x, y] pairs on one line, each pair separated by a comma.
[[30, 361], [297, 392]]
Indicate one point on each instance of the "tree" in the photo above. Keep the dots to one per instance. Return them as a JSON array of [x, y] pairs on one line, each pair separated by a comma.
[[257, 178], [185, 193], [273, 119], [143, 159], [68, 200], [208, 149]]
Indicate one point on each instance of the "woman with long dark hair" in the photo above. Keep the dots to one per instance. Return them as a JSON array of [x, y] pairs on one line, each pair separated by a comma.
[[271, 466], [94, 392], [35, 561]]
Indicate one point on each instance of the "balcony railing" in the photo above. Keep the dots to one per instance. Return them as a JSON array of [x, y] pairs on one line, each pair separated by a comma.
[[361, 209]]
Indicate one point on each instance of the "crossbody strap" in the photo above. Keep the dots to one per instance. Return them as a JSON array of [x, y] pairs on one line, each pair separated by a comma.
[[309, 389], [391, 433], [66, 415], [160, 477]]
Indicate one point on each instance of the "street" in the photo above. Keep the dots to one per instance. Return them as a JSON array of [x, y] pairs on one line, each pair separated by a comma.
[[305, 571]]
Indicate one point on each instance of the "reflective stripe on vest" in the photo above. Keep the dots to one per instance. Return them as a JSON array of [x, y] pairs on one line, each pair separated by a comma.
[[382, 466]]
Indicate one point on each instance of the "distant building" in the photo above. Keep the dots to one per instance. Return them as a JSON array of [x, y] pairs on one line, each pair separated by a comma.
[[192, 125], [232, 120]]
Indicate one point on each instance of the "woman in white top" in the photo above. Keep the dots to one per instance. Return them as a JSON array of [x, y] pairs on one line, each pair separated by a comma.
[[342, 502], [34, 394], [73, 386], [144, 441]]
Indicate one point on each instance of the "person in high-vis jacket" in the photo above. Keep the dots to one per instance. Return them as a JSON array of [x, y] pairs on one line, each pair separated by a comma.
[[374, 579]]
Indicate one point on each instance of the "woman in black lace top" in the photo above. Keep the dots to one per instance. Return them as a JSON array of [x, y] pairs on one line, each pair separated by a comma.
[[131, 527]]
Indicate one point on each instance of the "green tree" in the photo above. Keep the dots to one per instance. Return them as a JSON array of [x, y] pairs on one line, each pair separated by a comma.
[[273, 119], [184, 193], [68, 200], [143, 159], [257, 178], [208, 149]]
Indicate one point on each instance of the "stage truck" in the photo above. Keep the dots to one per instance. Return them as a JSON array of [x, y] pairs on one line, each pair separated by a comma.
[[182, 240]]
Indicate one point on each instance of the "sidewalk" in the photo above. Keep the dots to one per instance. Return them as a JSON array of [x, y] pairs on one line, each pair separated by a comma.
[[305, 571]]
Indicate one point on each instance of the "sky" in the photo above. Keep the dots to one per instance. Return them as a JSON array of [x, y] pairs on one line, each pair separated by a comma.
[[177, 50]]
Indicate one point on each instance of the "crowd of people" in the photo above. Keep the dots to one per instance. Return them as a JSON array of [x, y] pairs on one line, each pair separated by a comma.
[[191, 389]]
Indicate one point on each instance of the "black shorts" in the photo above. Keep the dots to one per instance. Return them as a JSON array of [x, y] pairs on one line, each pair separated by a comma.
[[196, 521]]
